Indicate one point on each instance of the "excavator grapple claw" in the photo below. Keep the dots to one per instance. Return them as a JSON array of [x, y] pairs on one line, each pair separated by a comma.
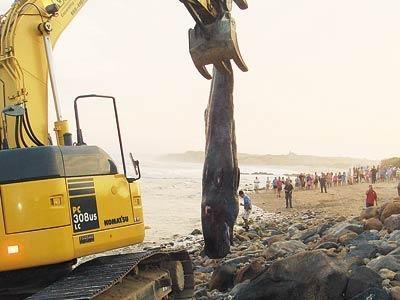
[[215, 44]]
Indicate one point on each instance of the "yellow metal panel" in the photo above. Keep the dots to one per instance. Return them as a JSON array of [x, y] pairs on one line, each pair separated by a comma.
[[2, 230], [35, 205], [113, 201], [37, 248], [86, 244]]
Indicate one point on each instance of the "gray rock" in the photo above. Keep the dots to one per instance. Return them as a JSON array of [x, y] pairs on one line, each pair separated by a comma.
[[222, 278], [237, 260], [386, 282], [312, 238], [328, 245], [387, 274], [324, 227], [196, 232], [395, 236], [369, 212], [236, 289], [282, 249], [364, 251], [384, 262], [361, 279], [373, 294], [395, 253], [292, 230], [272, 232], [202, 292], [201, 269], [363, 238], [307, 275], [343, 227], [392, 223], [385, 247], [305, 234]]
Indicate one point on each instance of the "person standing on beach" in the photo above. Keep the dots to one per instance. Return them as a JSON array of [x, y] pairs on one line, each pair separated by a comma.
[[267, 184], [247, 209], [256, 185], [274, 184], [374, 171], [288, 193], [322, 183], [372, 197], [316, 178], [279, 185]]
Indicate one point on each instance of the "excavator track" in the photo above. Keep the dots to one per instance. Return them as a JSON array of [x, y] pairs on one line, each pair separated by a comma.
[[100, 275]]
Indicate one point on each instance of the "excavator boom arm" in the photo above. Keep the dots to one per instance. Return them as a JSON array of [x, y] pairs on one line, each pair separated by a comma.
[[24, 67]]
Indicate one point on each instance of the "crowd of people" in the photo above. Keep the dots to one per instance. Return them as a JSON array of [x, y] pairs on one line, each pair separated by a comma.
[[323, 181], [326, 180]]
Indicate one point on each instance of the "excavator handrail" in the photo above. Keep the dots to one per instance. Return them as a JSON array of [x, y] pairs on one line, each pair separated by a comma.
[[79, 135]]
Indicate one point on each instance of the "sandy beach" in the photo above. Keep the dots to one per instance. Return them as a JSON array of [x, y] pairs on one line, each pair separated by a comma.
[[344, 201]]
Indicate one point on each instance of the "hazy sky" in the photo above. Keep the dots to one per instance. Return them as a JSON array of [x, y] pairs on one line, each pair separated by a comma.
[[324, 76]]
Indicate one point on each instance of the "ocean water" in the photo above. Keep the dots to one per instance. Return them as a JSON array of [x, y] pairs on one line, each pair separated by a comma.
[[171, 194]]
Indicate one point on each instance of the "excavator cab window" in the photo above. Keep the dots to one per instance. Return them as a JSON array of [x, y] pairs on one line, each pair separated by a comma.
[[80, 141]]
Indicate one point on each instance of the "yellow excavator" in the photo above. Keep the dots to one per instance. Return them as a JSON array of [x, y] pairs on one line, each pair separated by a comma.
[[65, 201]]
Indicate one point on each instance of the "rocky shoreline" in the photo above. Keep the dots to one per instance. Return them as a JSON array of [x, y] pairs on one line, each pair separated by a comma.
[[304, 255]]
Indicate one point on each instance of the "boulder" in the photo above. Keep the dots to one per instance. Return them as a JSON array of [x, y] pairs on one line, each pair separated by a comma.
[[369, 212], [329, 238], [292, 230], [238, 287], [395, 292], [392, 223], [373, 294], [347, 237], [306, 275], [283, 249], [202, 292], [395, 282], [387, 274], [324, 227], [384, 262], [361, 279], [395, 253], [222, 278], [364, 237], [312, 238], [201, 269], [249, 272], [386, 283], [305, 234], [386, 247], [364, 250], [196, 232], [373, 224], [392, 208], [344, 227], [395, 236], [273, 239], [327, 245]]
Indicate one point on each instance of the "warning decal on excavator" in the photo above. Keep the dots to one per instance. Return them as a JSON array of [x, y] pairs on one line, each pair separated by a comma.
[[83, 205]]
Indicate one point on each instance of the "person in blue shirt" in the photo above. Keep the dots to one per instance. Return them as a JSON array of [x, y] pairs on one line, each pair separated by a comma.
[[247, 209]]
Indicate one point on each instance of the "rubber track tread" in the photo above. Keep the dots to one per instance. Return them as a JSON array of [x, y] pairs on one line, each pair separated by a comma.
[[94, 277]]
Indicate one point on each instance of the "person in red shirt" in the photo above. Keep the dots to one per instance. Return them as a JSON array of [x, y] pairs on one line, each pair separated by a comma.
[[372, 197]]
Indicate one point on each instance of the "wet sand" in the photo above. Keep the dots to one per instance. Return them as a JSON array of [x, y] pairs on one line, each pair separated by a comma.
[[341, 201]]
